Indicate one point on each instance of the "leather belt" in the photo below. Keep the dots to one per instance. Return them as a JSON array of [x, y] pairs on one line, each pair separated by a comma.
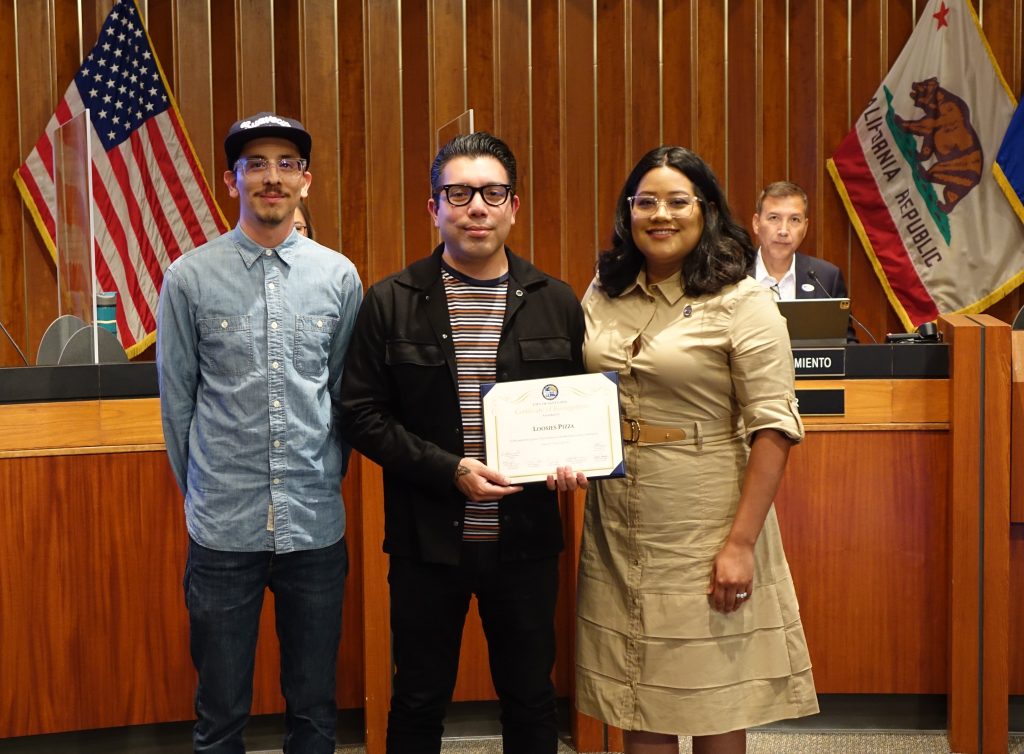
[[637, 431], [694, 432]]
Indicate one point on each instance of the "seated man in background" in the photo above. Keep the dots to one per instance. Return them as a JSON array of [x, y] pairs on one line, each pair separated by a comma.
[[780, 223]]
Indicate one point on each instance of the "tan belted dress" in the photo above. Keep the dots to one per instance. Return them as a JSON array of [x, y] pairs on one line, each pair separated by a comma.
[[652, 654]]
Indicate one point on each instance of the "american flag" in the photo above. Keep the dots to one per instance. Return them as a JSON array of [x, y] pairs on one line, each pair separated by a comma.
[[151, 200]]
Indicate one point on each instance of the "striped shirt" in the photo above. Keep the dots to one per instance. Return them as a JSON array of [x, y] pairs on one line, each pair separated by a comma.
[[476, 309]]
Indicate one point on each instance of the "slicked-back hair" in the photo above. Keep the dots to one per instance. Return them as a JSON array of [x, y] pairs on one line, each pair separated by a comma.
[[477, 144], [723, 252], [781, 190]]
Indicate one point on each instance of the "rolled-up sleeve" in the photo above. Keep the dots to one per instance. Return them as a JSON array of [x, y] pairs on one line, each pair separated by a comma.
[[177, 365], [762, 367]]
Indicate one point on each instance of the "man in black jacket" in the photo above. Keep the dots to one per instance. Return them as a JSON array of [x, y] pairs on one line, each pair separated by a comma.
[[780, 223], [425, 340]]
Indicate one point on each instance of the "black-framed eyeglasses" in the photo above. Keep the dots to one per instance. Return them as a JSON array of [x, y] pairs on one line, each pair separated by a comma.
[[459, 194], [677, 206], [287, 167]]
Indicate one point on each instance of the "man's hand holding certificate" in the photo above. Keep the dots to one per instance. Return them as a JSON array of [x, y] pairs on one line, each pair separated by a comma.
[[532, 426]]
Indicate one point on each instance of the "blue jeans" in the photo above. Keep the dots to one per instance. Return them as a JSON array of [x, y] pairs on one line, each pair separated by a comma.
[[224, 595], [428, 610]]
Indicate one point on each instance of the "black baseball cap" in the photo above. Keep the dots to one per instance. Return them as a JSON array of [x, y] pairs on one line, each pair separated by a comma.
[[262, 126]]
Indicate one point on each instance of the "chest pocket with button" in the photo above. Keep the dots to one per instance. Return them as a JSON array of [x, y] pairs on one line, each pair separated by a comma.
[[225, 345], [408, 353], [313, 335]]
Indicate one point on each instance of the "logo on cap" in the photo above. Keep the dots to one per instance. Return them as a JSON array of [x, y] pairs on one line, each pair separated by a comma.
[[266, 120]]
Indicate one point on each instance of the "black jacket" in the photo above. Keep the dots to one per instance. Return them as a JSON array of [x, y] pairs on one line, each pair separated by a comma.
[[828, 275], [400, 407], [829, 283]]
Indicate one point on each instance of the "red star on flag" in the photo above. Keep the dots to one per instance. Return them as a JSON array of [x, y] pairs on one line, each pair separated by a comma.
[[941, 17]]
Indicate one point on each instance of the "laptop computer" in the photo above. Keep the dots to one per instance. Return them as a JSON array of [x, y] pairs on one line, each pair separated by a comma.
[[816, 322]]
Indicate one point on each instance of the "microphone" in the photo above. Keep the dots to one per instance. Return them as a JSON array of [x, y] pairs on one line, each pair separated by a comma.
[[14, 343], [814, 276]]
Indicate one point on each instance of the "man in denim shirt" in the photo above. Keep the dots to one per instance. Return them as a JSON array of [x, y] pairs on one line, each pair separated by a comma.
[[251, 336]]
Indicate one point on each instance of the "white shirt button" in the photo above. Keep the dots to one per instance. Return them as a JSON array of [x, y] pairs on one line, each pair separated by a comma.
[[277, 404], [269, 252], [319, 323], [273, 325], [277, 481], [277, 443], [271, 286], [224, 324], [274, 365]]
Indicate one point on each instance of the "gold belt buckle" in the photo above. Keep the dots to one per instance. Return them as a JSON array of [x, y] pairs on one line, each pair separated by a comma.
[[634, 430]]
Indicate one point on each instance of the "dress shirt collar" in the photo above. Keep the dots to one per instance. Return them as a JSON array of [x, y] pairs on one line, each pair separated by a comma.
[[786, 285], [250, 251], [671, 289]]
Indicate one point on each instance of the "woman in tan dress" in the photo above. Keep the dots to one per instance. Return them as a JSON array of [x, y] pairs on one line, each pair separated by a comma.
[[687, 619]]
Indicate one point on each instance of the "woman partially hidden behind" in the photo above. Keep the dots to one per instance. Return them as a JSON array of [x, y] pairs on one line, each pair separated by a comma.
[[688, 622]]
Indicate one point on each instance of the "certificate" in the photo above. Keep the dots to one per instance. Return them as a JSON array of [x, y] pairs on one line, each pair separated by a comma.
[[532, 426]]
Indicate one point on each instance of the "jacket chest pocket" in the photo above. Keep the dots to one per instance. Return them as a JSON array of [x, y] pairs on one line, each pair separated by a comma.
[[409, 353], [313, 335], [545, 349], [225, 345]]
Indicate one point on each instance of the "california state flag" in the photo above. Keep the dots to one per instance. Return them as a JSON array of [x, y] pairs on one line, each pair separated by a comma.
[[915, 173]]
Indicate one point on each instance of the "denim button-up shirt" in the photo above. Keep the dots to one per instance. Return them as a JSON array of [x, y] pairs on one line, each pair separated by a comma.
[[250, 347]]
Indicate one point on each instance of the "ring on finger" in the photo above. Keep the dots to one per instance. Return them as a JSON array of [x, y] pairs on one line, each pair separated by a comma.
[[742, 595]]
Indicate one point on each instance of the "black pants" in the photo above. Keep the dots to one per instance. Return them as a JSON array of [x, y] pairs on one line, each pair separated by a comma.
[[428, 610]]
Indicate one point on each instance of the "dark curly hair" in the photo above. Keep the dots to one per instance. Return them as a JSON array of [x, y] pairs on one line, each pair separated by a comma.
[[723, 253]]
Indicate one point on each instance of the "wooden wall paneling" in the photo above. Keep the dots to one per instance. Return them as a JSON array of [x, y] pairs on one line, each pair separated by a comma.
[[382, 103], [965, 530], [544, 164], [317, 43], [13, 294], [254, 49], [377, 665], [481, 75], [30, 553], [834, 236], [226, 86], [868, 65], [643, 78], [352, 120], [613, 164], [38, 90], [513, 106], [417, 131], [295, 41], [853, 537], [191, 65], [677, 73], [995, 546], [711, 87], [158, 17], [1017, 428], [383, 107], [447, 60], [115, 565], [1001, 21], [1016, 607], [578, 154], [774, 92], [806, 155], [587, 732], [741, 179]]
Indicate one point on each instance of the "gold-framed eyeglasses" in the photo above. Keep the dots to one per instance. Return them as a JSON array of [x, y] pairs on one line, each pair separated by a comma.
[[302, 228], [676, 206], [287, 167], [459, 194]]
